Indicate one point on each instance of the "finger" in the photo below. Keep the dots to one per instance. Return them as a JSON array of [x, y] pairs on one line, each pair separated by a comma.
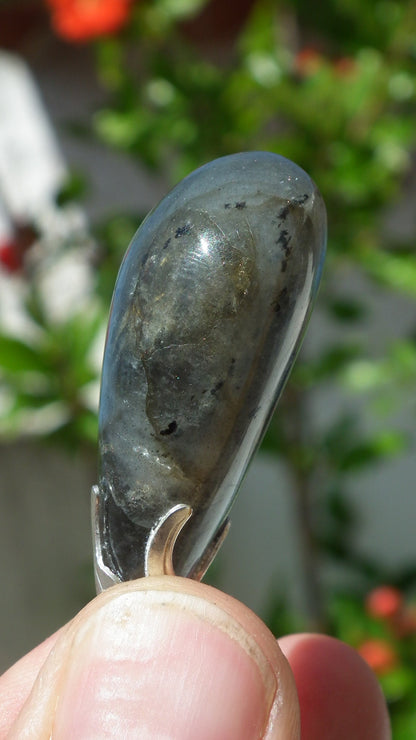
[[339, 695], [17, 683], [167, 658]]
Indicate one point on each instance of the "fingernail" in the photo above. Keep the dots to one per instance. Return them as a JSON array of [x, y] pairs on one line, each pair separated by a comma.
[[156, 664]]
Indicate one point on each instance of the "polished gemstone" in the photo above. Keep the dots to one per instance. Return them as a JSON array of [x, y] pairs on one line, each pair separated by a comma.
[[208, 313]]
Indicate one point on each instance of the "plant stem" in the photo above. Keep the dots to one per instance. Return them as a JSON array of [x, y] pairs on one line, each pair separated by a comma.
[[301, 469]]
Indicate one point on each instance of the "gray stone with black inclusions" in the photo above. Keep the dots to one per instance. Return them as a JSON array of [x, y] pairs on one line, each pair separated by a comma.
[[208, 313]]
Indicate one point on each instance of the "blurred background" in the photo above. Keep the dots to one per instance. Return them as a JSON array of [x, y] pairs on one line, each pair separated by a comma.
[[105, 105]]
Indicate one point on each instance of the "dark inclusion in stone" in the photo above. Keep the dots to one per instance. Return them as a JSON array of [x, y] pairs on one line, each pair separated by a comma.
[[208, 314]]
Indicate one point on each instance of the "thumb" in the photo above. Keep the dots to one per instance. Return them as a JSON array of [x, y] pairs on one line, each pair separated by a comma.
[[164, 658]]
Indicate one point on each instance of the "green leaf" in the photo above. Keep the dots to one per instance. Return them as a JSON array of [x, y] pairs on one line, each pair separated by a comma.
[[398, 271], [74, 189], [347, 309], [17, 356], [365, 375], [180, 9], [385, 444], [330, 363], [398, 683]]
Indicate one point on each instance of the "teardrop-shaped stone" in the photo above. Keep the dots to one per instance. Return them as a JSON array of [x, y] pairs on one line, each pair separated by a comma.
[[208, 313]]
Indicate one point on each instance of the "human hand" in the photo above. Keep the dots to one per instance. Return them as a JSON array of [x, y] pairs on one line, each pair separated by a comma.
[[172, 659]]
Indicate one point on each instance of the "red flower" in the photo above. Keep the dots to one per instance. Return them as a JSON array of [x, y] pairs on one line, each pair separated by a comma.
[[384, 602], [379, 655], [13, 250], [11, 257], [82, 20]]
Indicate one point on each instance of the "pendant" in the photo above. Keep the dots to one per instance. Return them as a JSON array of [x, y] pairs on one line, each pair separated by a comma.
[[208, 313]]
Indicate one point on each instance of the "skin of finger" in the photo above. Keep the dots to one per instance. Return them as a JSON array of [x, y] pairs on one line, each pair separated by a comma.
[[17, 682], [36, 717], [339, 695]]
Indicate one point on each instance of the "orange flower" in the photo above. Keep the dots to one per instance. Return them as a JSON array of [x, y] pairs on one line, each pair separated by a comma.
[[384, 602], [379, 655], [82, 20]]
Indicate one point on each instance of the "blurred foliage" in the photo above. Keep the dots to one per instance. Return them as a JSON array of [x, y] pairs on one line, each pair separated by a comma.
[[332, 86], [46, 381]]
